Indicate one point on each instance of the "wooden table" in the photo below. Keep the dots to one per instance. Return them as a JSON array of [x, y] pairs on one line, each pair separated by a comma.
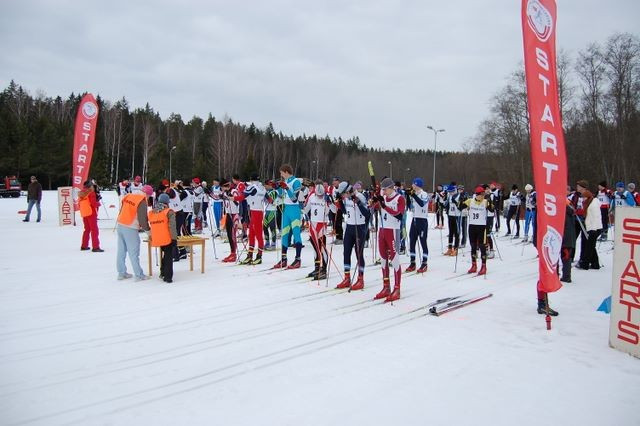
[[184, 241]]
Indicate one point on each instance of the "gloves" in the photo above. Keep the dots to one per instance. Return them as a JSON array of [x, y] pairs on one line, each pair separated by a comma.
[[328, 198], [282, 184]]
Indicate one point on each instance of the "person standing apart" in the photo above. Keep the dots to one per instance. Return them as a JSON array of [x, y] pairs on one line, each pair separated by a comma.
[[88, 203], [34, 196], [132, 218]]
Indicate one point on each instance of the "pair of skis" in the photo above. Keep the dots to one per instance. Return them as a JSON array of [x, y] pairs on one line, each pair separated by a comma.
[[448, 304]]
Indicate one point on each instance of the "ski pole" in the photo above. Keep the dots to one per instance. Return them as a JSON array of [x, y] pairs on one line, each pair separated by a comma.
[[495, 243], [213, 239]]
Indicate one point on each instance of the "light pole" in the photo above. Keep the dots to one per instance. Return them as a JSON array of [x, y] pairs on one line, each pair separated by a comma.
[[170, 152], [405, 176], [390, 170], [435, 144], [313, 163]]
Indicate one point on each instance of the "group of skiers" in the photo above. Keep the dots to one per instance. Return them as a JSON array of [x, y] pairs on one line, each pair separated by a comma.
[[253, 213]]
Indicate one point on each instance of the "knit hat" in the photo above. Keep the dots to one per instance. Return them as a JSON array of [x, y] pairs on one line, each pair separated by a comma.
[[528, 187], [386, 183], [148, 189], [195, 180], [344, 187], [631, 186], [418, 182], [357, 185], [603, 184], [583, 183], [165, 182], [254, 176], [451, 188], [479, 190], [87, 184], [514, 186], [620, 185], [163, 198]]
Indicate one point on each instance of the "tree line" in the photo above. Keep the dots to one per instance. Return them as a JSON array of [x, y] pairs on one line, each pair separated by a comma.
[[599, 96]]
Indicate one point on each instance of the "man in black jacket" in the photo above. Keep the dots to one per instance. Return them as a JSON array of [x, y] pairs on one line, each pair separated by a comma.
[[34, 196]]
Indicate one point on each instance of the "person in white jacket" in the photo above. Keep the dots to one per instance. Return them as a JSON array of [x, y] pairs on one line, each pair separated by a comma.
[[593, 227]]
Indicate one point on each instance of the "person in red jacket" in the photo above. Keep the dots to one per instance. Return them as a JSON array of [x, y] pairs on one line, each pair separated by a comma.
[[89, 211]]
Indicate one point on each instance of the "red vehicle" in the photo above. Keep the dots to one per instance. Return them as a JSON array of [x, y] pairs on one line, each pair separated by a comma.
[[10, 187]]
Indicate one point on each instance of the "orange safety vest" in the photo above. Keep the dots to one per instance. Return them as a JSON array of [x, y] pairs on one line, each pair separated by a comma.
[[129, 208], [85, 207], [160, 233]]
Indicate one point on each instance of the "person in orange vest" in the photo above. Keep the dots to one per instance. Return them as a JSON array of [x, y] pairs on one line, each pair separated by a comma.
[[162, 221], [132, 219], [88, 203]]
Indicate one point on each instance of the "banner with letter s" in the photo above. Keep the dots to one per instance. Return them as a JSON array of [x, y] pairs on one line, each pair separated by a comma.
[[548, 154], [83, 140]]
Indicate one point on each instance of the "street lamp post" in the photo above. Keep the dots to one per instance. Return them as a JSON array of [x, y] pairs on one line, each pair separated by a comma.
[[408, 171], [390, 170], [435, 144], [171, 152]]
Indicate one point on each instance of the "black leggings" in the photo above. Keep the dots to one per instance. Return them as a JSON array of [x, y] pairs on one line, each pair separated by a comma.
[[439, 216], [454, 234], [418, 230], [489, 228], [513, 213], [166, 264], [477, 238], [230, 232], [354, 236]]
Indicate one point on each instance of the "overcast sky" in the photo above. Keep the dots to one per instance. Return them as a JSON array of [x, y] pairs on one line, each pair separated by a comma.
[[378, 70]]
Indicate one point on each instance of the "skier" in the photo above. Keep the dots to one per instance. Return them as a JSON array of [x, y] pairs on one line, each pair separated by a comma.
[[478, 208], [453, 217], [515, 200], [231, 218], [488, 195], [254, 194], [568, 242], [269, 221], [198, 198], [498, 202], [162, 221], [419, 225], [288, 188], [206, 197], [463, 224], [187, 207], [621, 198], [136, 186], [318, 206], [354, 208], [530, 211], [89, 211], [604, 196], [635, 194], [392, 206], [124, 188], [242, 204], [175, 192], [439, 196], [336, 219], [216, 196]]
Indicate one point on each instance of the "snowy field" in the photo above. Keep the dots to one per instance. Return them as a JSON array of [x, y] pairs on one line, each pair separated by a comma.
[[240, 346]]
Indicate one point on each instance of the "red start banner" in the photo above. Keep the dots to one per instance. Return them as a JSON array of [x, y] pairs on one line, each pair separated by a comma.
[[548, 154], [83, 139]]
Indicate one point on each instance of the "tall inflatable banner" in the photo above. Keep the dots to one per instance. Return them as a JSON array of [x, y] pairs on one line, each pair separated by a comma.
[[548, 155], [83, 139]]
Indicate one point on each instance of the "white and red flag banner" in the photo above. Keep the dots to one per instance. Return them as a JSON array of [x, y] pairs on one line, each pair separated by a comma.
[[83, 139], [548, 153]]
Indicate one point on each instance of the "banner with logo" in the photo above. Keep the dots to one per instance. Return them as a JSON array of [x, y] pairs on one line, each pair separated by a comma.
[[624, 330], [548, 153], [83, 139], [65, 205]]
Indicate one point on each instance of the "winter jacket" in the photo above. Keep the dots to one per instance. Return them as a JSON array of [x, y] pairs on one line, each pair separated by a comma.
[[593, 219], [34, 191]]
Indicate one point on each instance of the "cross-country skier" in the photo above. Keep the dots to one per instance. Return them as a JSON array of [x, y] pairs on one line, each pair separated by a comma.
[[488, 195], [463, 224], [231, 219], [218, 202], [605, 197], [439, 198], [318, 206], [288, 188], [498, 202], [515, 200], [356, 213], [254, 194], [621, 198], [136, 186], [198, 198], [270, 216], [453, 216], [478, 208], [530, 211], [419, 225], [392, 207]]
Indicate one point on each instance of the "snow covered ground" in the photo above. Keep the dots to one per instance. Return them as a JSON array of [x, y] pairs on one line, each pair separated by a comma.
[[241, 346]]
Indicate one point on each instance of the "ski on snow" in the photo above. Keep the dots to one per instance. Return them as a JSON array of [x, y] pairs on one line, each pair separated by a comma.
[[454, 303]]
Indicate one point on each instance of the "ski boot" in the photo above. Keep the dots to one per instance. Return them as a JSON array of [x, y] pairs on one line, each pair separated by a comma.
[[483, 269], [491, 254], [313, 274], [247, 260], [257, 260], [448, 252], [454, 252], [542, 309], [395, 295], [386, 291], [411, 267], [473, 269], [281, 264], [423, 268], [230, 259], [346, 281], [295, 264], [359, 284], [525, 239], [322, 275]]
